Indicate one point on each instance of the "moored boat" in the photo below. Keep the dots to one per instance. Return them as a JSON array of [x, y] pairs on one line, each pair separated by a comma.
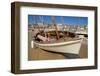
[[62, 47]]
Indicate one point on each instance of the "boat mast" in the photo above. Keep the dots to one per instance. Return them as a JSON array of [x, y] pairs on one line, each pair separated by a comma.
[[36, 18], [63, 26], [53, 19], [63, 23]]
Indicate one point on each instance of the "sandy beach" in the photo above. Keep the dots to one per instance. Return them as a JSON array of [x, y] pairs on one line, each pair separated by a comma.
[[39, 54]]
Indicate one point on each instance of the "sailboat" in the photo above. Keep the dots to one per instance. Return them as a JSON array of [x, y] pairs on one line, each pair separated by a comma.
[[66, 45]]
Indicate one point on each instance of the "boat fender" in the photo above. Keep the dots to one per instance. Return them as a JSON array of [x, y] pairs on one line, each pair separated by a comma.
[[32, 44]]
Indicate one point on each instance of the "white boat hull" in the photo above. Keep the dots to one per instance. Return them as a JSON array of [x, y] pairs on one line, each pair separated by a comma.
[[62, 47]]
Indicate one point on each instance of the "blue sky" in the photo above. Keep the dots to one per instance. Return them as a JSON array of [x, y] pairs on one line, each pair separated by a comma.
[[72, 20]]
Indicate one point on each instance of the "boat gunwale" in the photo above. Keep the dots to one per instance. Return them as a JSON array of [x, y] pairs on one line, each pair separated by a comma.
[[58, 44]]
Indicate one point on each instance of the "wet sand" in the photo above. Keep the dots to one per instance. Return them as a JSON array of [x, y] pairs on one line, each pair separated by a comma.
[[39, 54]]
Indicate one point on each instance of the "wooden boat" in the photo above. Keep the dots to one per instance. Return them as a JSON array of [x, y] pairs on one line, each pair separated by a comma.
[[67, 46], [62, 47]]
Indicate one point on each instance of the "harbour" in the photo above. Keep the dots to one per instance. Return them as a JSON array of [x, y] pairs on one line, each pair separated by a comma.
[[57, 40]]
